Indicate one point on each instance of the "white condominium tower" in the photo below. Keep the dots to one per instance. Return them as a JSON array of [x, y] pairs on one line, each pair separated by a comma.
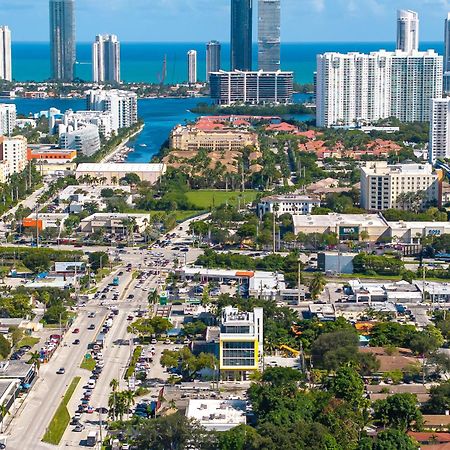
[[407, 30], [121, 104], [106, 59], [7, 119], [439, 147], [355, 88], [5, 54], [192, 66]]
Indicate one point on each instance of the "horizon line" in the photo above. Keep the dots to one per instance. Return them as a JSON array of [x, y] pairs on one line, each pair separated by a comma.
[[227, 42]]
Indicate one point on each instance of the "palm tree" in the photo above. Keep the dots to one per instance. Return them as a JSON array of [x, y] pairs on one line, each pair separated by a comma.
[[114, 384], [36, 360], [317, 285], [129, 400]]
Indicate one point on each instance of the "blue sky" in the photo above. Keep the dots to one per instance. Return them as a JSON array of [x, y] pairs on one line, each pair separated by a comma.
[[201, 20]]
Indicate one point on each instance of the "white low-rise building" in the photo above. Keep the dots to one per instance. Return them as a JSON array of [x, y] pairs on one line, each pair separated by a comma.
[[84, 139], [46, 220], [398, 292], [115, 222], [346, 226], [288, 204], [217, 415], [413, 232], [79, 119]]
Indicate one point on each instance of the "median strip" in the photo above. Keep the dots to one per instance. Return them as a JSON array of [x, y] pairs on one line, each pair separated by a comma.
[[61, 419]]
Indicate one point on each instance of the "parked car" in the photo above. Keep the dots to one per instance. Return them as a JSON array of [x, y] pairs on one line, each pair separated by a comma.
[[61, 371], [76, 330]]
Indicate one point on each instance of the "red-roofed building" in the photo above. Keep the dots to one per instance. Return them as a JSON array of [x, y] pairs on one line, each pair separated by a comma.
[[282, 127]]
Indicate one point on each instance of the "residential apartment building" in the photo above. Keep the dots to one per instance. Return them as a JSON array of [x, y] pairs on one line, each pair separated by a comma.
[[439, 145], [240, 342], [106, 59], [192, 66], [5, 54], [407, 30], [121, 104], [190, 138], [355, 88], [269, 42], [13, 155], [383, 186], [288, 204], [251, 87], [7, 118], [62, 39], [213, 57], [103, 120], [85, 140]]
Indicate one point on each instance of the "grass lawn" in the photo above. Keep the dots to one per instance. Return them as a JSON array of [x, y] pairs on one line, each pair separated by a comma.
[[208, 198], [61, 419], [28, 340], [88, 364]]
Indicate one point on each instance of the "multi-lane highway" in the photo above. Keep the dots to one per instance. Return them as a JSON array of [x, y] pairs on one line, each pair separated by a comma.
[[28, 427]]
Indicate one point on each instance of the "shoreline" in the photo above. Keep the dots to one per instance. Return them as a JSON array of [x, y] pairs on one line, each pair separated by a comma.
[[107, 158]]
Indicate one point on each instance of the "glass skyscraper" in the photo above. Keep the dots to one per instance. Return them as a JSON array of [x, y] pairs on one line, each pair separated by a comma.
[[62, 39], [213, 50], [269, 35], [241, 35]]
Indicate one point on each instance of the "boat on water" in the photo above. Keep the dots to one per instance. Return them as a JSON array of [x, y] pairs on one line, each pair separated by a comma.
[[143, 145]]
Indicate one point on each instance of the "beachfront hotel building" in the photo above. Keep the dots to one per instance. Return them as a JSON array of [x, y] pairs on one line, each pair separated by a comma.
[[240, 343], [106, 59], [62, 39], [252, 87], [383, 185], [122, 105], [5, 54], [269, 42], [356, 88]]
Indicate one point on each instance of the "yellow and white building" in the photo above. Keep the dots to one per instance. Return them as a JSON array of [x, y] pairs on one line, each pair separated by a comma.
[[240, 343]]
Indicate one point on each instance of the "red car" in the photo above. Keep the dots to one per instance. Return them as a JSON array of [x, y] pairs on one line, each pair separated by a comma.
[[76, 330]]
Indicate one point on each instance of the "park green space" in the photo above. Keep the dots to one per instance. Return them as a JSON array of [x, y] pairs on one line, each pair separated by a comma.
[[61, 419], [209, 198]]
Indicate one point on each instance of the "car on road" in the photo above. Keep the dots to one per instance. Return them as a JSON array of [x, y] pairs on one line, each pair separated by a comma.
[[153, 341], [90, 410], [61, 371], [76, 330], [130, 318], [130, 296], [76, 342], [91, 315], [75, 420], [79, 427], [91, 327]]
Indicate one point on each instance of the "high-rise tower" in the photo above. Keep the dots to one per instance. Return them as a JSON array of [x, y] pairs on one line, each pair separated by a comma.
[[269, 14], [5, 54], [241, 34], [407, 30], [192, 66], [62, 39], [213, 50], [106, 59]]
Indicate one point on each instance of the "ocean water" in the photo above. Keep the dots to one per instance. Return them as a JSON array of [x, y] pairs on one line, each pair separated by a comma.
[[160, 115], [142, 62]]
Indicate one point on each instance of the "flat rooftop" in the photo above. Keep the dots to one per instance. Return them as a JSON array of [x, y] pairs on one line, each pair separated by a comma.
[[334, 219], [218, 415]]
